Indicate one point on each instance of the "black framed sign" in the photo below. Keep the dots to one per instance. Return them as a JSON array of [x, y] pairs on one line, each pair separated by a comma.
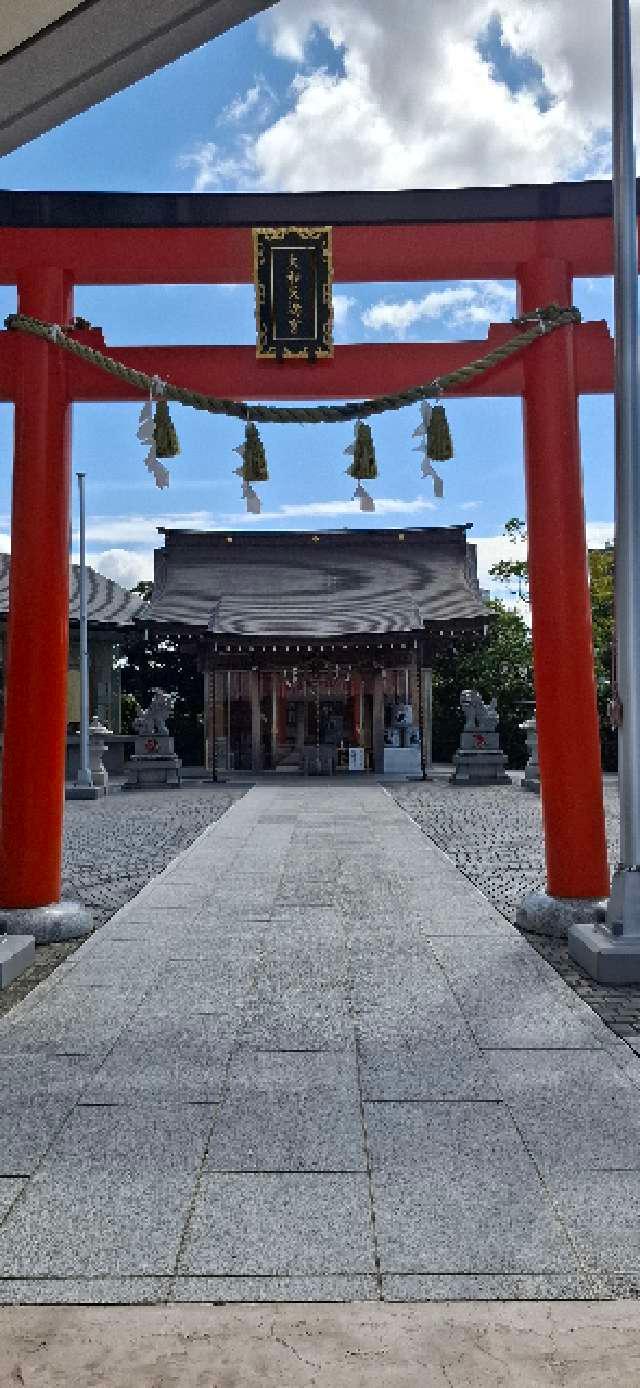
[[293, 278]]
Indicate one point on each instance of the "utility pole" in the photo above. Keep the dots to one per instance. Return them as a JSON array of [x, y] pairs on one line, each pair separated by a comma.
[[611, 952]]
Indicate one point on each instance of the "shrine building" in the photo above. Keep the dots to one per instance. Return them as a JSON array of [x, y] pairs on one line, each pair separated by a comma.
[[112, 612], [317, 648]]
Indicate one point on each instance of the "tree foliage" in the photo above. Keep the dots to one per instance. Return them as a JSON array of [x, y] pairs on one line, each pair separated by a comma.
[[514, 573], [154, 659], [502, 665]]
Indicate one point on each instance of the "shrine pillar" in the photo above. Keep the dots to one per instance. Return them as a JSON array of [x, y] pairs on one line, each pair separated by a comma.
[[33, 777], [565, 688]]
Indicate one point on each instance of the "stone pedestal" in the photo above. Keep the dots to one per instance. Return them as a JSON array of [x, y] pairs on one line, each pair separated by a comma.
[[531, 778], [479, 761], [99, 773], [555, 915], [154, 763]]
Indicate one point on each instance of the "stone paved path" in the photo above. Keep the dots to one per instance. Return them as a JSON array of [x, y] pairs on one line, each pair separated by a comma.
[[112, 847], [494, 835], [310, 1061]]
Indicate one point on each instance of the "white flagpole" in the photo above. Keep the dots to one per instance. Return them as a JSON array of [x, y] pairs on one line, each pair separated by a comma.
[[84, 769]]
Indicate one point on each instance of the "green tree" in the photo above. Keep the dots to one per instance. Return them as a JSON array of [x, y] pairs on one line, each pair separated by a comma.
[[502, 665], [152, 658], [515, 574], [601, 582]]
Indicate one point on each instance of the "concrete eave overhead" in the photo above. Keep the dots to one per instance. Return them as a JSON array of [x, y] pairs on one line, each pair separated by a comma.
[[58, 57]]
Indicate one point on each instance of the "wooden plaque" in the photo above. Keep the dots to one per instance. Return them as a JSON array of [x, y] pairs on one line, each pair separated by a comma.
[[293, 278]]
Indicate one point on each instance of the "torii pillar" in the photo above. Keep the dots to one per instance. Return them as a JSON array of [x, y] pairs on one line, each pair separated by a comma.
[[38, 633], [564, 676]]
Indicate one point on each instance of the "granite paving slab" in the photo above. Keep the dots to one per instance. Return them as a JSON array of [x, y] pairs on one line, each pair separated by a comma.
[[297, 1018], [289, 1112], [455, 1192], [566, 1286], [511, 998], [284, 1225], [84, 1291], [110, 1198], [134, 921], [9, 1190], [196, 985], [125, 965], [69, 1021], [167, 895], [317, 922], [601, 1210], [405, 1070], [575, 1109], [287, 961], [328, 1288], [175, 1071], [36, 1095]]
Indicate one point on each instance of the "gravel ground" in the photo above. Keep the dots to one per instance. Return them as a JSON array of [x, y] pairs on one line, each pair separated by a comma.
[[112, 847], [494, 835]]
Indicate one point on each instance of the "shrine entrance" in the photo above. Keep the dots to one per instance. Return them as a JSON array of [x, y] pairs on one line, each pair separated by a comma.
[[316, 720], [541, 237]]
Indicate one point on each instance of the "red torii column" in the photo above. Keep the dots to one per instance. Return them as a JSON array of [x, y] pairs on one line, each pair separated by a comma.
[[565, 688], [32, 804]]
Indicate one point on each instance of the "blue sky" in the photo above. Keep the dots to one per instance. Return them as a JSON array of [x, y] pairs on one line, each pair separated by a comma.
[[238, 114]]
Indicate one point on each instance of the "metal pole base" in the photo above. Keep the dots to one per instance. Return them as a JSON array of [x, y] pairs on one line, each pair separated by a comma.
[[554, 915], [610, 950], [62, 920], [80, 792]]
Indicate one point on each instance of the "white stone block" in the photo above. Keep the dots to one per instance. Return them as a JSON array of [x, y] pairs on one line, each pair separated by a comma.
[[17, 952]]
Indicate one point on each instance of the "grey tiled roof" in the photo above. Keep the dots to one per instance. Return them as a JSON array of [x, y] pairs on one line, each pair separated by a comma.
[[108, 604], [335, 583]]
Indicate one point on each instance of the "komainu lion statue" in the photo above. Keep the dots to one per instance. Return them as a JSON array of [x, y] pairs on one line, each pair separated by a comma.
[[153, 719], [478, 716]]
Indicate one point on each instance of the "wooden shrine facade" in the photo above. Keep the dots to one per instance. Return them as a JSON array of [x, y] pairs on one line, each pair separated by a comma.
[[317, 647]]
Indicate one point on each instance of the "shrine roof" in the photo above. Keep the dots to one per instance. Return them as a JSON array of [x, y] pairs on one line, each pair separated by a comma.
[[316, 584], [108, 604]]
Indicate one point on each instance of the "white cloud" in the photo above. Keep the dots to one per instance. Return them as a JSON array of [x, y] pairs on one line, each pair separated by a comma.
[[463, 305], [492, 548], [216, 168], [5, 544], [126, 566], [120, 531], [599, 534], [256, 102], [319, 510], [417, 105], [342, 305]]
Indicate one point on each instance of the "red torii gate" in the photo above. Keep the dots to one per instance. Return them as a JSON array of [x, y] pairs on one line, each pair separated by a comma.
[[539, 236]]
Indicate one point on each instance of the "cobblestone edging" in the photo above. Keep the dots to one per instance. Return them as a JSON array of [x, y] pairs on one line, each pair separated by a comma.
[[494, 835], [113, 847]]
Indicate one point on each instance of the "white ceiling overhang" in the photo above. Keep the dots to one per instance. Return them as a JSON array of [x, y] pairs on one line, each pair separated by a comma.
[[58, 57]]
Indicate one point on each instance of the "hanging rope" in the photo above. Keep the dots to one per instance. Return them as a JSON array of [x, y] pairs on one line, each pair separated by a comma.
[[540, 322]]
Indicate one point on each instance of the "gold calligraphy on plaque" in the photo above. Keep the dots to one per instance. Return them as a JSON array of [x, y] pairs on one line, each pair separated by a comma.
[[293, 280]]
